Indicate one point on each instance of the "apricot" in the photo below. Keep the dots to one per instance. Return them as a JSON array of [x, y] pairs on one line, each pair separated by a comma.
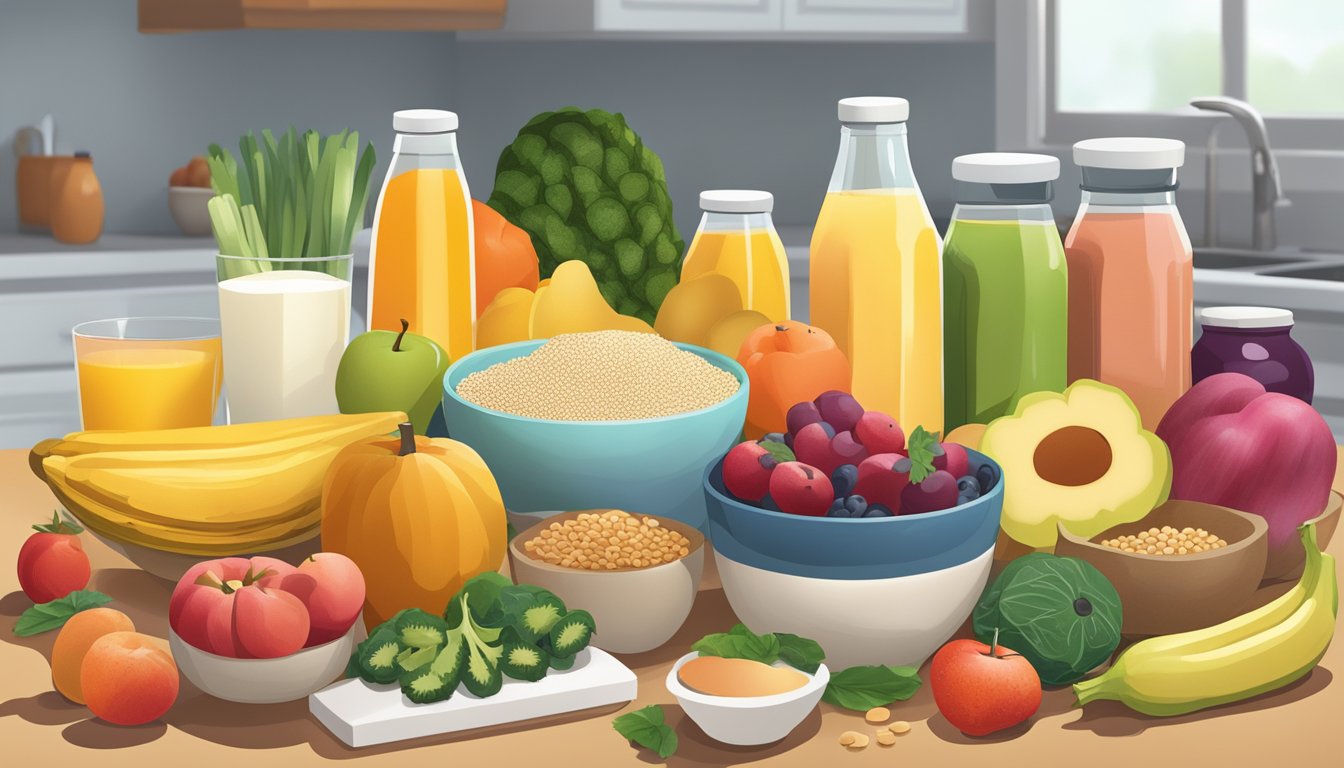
[[73, 642], [129, 678]]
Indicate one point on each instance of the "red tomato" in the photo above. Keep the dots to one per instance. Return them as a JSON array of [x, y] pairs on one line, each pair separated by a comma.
[[52, 563], [332, 587], [980, 693], [235, 607]]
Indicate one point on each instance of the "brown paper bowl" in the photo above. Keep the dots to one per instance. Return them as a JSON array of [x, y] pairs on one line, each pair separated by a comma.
[[1174, 593], [1285, 563]]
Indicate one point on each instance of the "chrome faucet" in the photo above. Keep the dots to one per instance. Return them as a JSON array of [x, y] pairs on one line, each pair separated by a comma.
[[1266, 189]]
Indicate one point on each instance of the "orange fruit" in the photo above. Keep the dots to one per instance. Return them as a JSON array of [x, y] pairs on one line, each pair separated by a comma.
[[78, 634], [129, 678]]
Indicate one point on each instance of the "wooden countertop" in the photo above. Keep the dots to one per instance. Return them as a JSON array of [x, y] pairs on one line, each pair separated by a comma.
[[39, 728]]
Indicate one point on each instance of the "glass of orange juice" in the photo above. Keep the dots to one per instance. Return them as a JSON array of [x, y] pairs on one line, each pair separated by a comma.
[[148, 372]]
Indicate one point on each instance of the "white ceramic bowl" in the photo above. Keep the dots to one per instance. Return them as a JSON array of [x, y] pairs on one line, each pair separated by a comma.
[[896, 621], [748, 720], [264, 681], [188, 205], [635, 610]]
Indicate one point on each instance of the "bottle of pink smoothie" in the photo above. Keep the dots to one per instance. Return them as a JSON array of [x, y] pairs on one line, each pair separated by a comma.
[[1131, 295]]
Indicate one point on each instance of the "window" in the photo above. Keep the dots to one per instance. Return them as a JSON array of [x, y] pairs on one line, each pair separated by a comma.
[[1094, 68]]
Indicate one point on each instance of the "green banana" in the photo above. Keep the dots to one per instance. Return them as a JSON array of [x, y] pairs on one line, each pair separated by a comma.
[[1254, 653]]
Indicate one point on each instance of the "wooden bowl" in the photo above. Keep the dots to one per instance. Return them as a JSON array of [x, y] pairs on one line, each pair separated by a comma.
[[1285, 563], [1162, 594]]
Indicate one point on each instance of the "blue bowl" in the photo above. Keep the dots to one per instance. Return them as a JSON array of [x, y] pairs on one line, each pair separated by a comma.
[[649, 466], [845, 548]]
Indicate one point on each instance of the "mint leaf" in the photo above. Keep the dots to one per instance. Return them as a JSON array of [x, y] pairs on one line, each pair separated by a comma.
[[920, 447], [862, 688], [739, 643], [646, 728], [800, 652], [53, 615], [779, 451]]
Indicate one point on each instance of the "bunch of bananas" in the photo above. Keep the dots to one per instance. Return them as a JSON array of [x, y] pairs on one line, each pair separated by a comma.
[[1251, 654], [205, 491]]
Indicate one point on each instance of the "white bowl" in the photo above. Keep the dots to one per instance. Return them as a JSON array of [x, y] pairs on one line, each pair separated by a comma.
[[264, 681], [895, 621], [188, 205], [635, 610], [170, 566], [748, 720]]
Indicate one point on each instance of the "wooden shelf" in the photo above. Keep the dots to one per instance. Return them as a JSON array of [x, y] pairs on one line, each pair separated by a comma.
[[198, 15]]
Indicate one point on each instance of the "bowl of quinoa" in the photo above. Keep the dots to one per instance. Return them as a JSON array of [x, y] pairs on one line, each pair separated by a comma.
[[601, 420]]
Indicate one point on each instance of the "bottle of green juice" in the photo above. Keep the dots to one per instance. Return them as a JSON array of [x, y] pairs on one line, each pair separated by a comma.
[[1005, 287]]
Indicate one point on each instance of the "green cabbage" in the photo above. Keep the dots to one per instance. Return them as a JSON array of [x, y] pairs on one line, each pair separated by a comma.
[[584, 186]]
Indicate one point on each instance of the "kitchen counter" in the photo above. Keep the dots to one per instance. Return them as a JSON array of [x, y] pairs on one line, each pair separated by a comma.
[[40, 728]]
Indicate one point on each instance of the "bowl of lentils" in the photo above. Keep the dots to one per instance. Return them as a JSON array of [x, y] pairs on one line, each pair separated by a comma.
[[600, 420]]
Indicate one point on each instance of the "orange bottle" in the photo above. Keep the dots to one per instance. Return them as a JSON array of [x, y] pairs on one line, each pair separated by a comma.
[[1131, 278], [76, 202]]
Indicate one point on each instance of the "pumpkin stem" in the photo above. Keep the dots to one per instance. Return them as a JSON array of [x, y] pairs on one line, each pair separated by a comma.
[[407, 438], [396, 345]]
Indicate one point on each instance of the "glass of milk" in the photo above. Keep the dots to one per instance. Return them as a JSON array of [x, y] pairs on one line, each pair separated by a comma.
[[285, 323]]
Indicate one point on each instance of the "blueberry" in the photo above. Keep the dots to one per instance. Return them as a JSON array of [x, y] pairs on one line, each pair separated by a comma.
[[937, 450], [987, 477], [788, 439], [877, 510], [965, 499], [773, 437], [843, 479], [967, 483], [769, 503], [856, 505], [903, 465], [837, 509]]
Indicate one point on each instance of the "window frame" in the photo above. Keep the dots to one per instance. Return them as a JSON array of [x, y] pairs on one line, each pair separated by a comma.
[[1025, 89]]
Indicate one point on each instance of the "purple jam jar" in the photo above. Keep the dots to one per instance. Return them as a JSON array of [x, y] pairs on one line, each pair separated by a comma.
[[1254, 341]]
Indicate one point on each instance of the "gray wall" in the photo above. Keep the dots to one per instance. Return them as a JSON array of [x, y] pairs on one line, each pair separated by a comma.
[[753, 115], [144, 104]]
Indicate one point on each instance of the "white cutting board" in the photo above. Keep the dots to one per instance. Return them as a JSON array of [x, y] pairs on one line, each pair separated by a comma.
[[362, 714]]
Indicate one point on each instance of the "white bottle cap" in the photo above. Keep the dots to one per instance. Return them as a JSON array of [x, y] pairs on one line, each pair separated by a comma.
[[873, 109], [1245, 317], [1005, 168], [424, 121], [1130, 153], [736, 201]]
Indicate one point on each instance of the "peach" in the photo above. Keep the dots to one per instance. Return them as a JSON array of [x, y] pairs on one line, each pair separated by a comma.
[[79, 633], [129, 678], [331, 586]]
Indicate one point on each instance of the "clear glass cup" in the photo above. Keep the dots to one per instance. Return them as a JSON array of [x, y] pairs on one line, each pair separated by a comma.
[[148, 372], [285, 325]]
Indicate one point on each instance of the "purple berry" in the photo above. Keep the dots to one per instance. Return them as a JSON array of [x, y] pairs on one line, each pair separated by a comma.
[[800, 416], [843, 480], [937, 491], [840, 409]]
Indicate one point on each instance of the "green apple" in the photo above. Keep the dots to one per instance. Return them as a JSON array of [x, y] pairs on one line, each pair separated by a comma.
[[390, 371]]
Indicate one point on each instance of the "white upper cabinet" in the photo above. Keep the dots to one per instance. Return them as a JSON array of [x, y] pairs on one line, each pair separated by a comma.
[[747, 19]]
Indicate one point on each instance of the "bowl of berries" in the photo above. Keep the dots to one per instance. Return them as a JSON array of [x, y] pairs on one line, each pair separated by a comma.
[[847, 530]]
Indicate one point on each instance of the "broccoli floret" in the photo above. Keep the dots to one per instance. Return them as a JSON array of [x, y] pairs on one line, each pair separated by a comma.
[[412, 659], [572, 633], [423, 687], [418, 629], [524, 661], [377, 657]]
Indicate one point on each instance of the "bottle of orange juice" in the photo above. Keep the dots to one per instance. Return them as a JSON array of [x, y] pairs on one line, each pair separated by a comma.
[[421, 264], [737, 239], [876, 267]]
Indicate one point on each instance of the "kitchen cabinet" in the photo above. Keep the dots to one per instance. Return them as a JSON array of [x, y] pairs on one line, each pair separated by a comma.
[[746, 19], [47, 288], [196, 15]]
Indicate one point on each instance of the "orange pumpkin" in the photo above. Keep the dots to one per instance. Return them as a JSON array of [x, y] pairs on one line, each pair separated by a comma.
[[418, 515], [788, 363]]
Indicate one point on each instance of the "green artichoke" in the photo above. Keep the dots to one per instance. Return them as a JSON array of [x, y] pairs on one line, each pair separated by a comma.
[[584, 186]]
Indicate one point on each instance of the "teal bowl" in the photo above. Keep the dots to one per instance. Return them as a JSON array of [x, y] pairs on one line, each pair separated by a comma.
[[648, 466]]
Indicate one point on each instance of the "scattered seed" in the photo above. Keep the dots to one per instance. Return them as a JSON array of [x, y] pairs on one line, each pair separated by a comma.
[[848, 738], [854, 740], [886, 738], [899, 727], [878, 715]]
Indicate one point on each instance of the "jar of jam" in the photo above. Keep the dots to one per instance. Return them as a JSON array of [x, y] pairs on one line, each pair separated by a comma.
[[1253, 341]]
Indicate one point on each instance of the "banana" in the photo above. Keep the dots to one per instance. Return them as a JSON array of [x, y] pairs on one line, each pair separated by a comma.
[[193, 438], [1254, 653]]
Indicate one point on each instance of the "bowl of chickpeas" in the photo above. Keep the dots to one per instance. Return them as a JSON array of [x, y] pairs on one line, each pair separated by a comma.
[[1186, 565], [636, 574]]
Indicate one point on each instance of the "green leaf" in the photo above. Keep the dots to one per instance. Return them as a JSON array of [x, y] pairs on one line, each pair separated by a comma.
[[53, 615], [65, 525], [780, 451], [739, 643], [919, 447], [862, 688], [646, 728], [800, 652]]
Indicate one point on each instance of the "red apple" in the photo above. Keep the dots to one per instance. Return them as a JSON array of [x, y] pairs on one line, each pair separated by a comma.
[[882, 477], [812, 446], [746, 471], [52, 563], [980, 690], [880, 433], [331, 587], [847, 449], [1236, 445], [800, 489], [234, 607], [954, 459]]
